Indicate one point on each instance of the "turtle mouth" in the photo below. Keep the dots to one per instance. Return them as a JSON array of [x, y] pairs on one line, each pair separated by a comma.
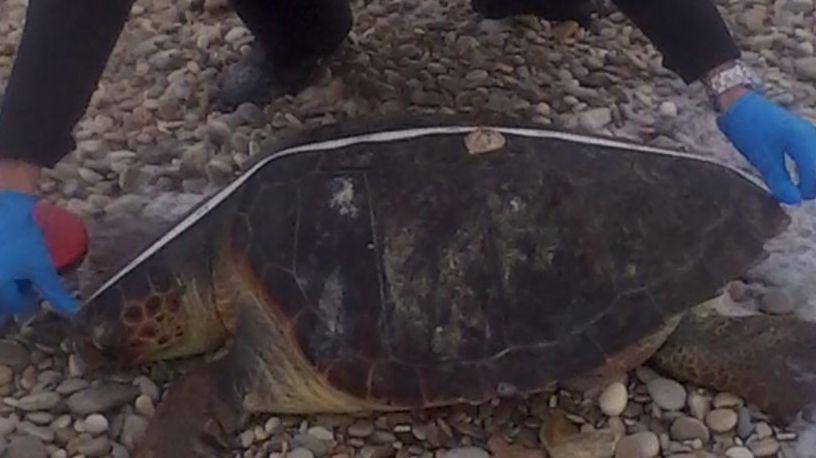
[[95, 357], [100, 347]]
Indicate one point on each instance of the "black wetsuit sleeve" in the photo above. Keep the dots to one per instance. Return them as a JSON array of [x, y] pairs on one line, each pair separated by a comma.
[[690, 34], [63, 51]]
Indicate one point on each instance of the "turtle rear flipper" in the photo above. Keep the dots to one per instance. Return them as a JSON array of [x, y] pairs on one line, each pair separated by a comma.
[[770, 361]]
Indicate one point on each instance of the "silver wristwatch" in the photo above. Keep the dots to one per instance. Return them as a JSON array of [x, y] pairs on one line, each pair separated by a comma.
[[729, 77]]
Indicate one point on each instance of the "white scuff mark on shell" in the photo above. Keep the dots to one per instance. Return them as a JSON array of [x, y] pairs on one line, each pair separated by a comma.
[[484, 140], [517, 204], [330, 303], [507, 390], [343, 198]]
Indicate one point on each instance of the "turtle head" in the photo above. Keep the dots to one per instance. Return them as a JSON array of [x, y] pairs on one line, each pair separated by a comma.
[[154, 311]]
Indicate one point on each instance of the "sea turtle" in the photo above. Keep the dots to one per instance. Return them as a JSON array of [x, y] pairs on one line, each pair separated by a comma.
[[428, 263]]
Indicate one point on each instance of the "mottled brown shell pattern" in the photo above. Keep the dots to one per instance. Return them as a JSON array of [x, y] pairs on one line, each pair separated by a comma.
[[413, 273]]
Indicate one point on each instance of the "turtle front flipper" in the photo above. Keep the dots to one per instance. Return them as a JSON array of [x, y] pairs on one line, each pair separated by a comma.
[[204, 408], [770, 361], [197, 419]]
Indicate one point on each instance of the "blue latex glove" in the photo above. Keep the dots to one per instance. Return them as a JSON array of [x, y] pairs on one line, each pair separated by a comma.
[[25, 263], [764, 133]]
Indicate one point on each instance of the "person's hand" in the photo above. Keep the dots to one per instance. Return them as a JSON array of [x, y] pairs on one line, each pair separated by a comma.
[[765, 134], [25, 263]]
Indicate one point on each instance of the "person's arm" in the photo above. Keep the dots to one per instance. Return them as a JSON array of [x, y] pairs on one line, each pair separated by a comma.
[[19, 176], [697, 45], [690, 34], [62, 54]]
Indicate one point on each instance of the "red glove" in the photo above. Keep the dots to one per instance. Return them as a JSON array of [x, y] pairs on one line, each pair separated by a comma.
[[65, 235]]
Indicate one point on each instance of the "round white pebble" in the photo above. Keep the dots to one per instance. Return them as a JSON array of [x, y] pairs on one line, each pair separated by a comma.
[[96, 424], [668, 109], [613, 400], [721, 420]]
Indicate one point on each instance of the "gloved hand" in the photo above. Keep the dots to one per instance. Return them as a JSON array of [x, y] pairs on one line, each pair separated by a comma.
[[764, 133], [25, 262]]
